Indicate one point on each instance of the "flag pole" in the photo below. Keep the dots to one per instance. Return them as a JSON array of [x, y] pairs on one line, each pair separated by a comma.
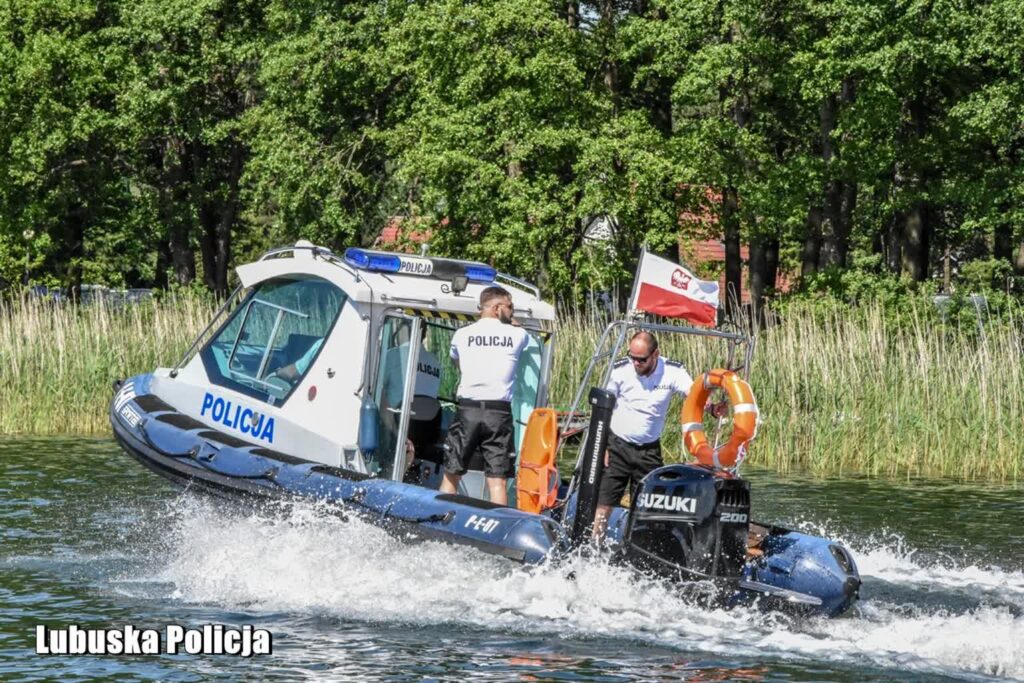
[[630, 307]]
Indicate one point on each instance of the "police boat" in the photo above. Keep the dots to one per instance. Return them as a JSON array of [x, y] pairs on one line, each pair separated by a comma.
[[328, 377]]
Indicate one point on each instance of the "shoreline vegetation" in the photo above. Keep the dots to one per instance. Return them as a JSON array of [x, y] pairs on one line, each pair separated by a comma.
[[842, 390]]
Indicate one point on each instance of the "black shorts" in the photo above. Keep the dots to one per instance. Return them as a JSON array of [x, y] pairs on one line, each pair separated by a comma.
[[484, 426], [628, 463]]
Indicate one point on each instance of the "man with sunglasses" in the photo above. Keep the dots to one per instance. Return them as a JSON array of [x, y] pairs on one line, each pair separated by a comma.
[[643, 384], [487, 354]]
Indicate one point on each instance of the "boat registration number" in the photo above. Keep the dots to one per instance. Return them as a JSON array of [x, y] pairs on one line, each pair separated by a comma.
[[482, 524]]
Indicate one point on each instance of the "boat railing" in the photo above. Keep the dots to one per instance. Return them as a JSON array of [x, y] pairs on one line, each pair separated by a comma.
[[528, 286], [570, 416], [321, 252]]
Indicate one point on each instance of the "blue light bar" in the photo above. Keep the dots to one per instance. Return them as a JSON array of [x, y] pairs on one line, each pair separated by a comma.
[[477, 272], [439, 269], [367, 260]]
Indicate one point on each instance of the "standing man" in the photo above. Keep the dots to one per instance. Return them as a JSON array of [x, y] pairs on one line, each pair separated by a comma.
[[486, 353], [643, 384]]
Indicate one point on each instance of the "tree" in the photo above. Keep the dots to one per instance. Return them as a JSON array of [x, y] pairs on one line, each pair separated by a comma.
[[67, 205], [193, 75]]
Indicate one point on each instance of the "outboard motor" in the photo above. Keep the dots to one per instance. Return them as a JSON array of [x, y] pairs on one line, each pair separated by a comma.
[[689, 520]]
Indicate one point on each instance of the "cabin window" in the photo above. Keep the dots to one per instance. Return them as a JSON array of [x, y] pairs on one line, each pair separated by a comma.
[[272, 339]]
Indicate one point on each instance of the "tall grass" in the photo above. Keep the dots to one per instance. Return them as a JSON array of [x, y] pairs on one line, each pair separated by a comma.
[[57, 362], [863, 390], [840, 390], [854, 390]]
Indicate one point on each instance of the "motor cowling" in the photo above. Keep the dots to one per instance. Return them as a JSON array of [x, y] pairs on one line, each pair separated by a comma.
[[689, 520]]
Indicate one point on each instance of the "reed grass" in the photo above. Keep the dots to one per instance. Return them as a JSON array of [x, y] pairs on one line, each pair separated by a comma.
[[852, 390], [843, 390], [57, 361], [863, 390]]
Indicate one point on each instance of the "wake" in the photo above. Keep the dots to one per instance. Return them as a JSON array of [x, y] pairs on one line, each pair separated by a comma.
[[307, 560]]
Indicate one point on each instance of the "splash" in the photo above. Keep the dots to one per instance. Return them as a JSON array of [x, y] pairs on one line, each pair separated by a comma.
[[308, 560]]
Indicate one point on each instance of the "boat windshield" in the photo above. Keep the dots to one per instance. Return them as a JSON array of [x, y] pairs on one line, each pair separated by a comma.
[[272, 338]]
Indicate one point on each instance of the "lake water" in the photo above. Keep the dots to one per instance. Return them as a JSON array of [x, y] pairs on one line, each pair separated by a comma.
[[88, 537]]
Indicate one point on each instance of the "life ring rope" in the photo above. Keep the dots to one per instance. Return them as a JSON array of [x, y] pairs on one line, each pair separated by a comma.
[[745, 418]]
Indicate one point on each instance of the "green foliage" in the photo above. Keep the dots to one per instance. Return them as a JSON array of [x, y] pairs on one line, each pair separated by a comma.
[[159, 142], [985, 276], [864, 282]]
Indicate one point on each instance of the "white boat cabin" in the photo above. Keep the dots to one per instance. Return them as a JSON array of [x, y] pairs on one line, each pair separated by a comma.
[[345, 360]]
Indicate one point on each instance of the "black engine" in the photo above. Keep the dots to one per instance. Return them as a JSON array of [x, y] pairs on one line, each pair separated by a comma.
[[686, 519]]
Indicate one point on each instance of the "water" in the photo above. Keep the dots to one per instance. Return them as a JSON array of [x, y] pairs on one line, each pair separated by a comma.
[[90, 538]]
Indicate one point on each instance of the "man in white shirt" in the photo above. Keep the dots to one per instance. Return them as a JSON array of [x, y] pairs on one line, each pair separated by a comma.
[[486, 353], [643, 384]]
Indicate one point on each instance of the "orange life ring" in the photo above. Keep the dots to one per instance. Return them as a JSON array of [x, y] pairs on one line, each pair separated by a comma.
[[744, 419]]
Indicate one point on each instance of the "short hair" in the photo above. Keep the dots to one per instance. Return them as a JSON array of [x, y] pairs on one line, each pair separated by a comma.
[[491, 293], [652, 341]]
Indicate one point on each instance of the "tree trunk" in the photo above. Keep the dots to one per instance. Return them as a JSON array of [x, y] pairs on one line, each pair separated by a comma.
[[733, 262], [183, 257], [893, 244], [1002, 240], [218, 219], [812, 242], [163, 262], [757, 267], [514, 167], [74, 250], [1018, 257], [207, 243], [572, 14], [174, 198], [228, 217], [848, 204], [830, 206], [916, 229], [840, 195], [610, 69], [771, 263]]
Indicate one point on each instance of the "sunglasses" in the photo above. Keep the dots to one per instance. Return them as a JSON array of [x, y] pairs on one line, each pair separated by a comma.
[[640, 359]]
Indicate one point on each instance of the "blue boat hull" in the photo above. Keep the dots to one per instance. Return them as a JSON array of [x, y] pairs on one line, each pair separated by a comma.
[[190, 453]]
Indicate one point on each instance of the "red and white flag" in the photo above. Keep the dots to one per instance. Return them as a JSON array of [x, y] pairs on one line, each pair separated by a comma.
[[668, 289]]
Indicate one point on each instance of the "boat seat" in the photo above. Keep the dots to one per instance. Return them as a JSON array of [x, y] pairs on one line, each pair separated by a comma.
[[296, 347], [425, 428]]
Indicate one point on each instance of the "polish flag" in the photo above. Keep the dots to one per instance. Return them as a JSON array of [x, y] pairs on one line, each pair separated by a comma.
[[667, 289]]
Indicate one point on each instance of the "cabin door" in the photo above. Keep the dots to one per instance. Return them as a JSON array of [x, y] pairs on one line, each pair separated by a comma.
[[393, 392]]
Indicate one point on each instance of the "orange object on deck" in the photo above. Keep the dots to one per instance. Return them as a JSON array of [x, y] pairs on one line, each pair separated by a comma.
[[537, 480], [744, 419]]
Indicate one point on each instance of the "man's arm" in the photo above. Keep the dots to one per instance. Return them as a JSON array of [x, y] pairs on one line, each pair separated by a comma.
[[683, 386]]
